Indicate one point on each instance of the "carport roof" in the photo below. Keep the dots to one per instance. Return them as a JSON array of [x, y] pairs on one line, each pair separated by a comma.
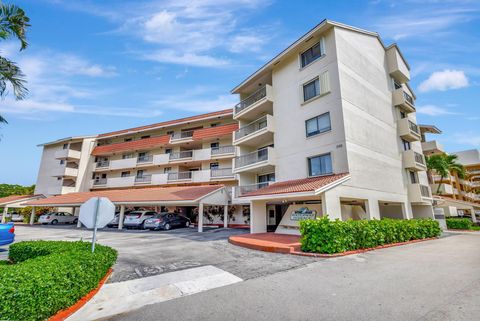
[[16, 198], [168, 195]]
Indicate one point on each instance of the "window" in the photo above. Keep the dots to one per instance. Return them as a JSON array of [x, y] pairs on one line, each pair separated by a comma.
[[317, 125], [320, 165], [215, 145], [413, 177], [406, 145], [313, 53], [170, 132], [167, 170], [140, 173], [214, 165], [127, 156], [403, 115], [316, 87], [65, 146], [127, 139], [168, 150], [125, 174], [62, 162], [263, 180], [59, 178], [396, 84], [144, 137]]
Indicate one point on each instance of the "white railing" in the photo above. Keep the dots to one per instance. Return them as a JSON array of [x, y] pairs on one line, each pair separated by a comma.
[[251, 158], [251, 128], [425, 191], [419, 158], [100, 181], [145, 159], [182, 154], [223, 150], [143, 179], [179, 176], [103, 163], [243, 190], [250, 100], [221, 172], [182, 135]]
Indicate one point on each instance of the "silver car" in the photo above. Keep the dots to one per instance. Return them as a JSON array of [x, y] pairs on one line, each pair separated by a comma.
[[17, 217], [137, 218], [58, 217]]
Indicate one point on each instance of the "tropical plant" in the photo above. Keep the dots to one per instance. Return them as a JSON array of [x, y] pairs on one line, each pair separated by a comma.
[[13, 189], [443, 165], [13, 24]]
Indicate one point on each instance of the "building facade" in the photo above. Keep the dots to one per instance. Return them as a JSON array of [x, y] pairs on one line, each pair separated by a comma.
[[328, 126]]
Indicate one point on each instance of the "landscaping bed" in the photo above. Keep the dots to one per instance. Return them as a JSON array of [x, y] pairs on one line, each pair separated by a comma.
[[331, 237], [45, 277], [464, 224]]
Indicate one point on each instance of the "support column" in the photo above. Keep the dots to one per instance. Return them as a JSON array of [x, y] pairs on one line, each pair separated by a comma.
[[32, 216], [373, 209], [474, 218], [200, 217], [331, 206], [407, 211], [4, 216], [121, 216], [76, 212], [258, 217], [225, 216]]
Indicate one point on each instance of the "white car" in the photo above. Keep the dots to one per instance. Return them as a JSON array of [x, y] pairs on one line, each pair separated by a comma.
[[137, 218], [58, 217], [17, 217]]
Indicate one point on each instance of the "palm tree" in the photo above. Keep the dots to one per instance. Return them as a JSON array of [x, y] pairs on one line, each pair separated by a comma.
[[13, 24], [443, 165]]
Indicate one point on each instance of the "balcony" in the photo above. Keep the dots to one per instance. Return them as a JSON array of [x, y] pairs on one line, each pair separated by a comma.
[[414, 161], [144, 179], [221, 173], [445, 189], [222, 151], [181, 137], [67, 154], [432, 147], [257, 104], [102, 164], [403, 101], [181, 156], [256, 162], [239, 191], [180, 176], [100, 182], [448, 178], [408, 130], [418, 193], [258, 132], [145, 159], [396, 65]]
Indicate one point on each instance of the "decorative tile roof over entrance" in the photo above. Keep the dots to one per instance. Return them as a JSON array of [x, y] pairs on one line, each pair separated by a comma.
[[15, 198]]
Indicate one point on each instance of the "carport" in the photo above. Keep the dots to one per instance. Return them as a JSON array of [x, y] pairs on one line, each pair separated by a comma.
[[194, 196], [16, 201]]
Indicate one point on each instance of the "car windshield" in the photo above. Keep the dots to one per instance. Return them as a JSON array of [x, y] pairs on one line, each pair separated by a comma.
[[134, 213], [160, 215]]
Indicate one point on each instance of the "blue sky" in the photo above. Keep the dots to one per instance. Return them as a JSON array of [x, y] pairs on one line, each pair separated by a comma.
[[97, 66]]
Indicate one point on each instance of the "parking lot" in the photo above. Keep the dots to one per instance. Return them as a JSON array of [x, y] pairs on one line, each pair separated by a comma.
[[145, 253]]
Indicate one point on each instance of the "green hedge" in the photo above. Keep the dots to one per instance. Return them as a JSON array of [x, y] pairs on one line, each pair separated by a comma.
[[459, 223], [48, 276], [325, 236]]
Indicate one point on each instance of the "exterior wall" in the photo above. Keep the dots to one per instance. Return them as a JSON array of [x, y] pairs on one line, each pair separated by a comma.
[[46, 183]]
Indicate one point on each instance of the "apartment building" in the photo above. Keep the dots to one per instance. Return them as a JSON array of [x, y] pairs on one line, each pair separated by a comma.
[[328, 126]]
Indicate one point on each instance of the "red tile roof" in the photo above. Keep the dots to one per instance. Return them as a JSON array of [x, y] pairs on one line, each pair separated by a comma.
[[224, 112], [148, 143], [157, 194], [297, 185], [15, 198], [131, 146]]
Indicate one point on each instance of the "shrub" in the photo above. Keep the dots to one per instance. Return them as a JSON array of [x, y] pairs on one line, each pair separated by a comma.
[[459, 223], [49, 276], [325, 236]]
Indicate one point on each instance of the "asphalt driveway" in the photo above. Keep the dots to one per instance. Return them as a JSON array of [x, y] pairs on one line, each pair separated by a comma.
[[146, 253]]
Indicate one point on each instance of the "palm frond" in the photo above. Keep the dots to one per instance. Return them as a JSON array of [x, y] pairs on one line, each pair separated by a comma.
[[13, 23], [10, 72]]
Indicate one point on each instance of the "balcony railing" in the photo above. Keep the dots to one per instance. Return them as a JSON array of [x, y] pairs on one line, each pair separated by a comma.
[[143, 179], [419, 158], [245, 189], [100, 181], [413, 127], [182, 135], [408, 98], [251, 128], [251, 158], [221, 172], [182, 154], [223, 150], [425, 191], [179, 176], [250, 100], [145, 159], [103, 163]]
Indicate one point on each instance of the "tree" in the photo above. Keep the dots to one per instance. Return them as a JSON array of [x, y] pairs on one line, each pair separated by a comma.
[[13, 24], [9, 189], [443, 165]]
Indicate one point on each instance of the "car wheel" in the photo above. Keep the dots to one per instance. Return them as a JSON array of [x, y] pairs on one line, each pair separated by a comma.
[[187, 223], [167, 227], [142, 226], [54, 222], [75, 221]]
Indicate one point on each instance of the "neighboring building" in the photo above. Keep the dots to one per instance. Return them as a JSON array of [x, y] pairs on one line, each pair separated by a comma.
[[330, 121]]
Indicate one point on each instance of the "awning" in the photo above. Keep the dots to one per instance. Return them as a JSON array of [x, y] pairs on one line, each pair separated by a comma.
[[171, 195], [298, 187]]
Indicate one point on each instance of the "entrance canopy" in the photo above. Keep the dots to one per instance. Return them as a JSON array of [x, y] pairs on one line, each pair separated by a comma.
[[172, 195]]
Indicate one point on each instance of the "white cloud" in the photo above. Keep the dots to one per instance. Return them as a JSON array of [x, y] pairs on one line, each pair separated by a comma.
[[470, 138], [444, 80], [246, 43], [196, 102], [432, 110], [192, 59]]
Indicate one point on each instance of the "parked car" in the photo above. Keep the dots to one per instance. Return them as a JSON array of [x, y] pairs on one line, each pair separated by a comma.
[[116, 219], [137, 218], [58, 217], [7, 233], [166, 221], [16, 217]]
